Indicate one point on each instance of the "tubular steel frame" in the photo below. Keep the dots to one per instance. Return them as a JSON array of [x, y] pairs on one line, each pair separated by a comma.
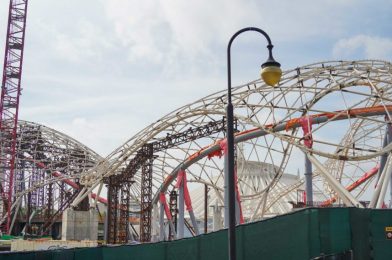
[[330, 90], [350, 98]]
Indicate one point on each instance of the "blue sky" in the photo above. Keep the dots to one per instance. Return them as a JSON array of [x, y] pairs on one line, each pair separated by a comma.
[[100, 71]]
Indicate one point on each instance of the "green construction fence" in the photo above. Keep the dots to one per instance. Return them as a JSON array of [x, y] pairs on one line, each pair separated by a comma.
[[304, 234]]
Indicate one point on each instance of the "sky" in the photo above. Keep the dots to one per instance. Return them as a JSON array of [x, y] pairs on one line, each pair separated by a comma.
[[100, 71]]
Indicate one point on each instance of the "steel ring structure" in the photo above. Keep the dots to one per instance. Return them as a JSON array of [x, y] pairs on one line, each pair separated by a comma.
[[48, 167], [347, 102]]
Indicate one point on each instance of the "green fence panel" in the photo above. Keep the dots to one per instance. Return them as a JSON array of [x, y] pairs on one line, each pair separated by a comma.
[[65, 254], [382, 247], [360, 243], [335, 230], [44, 255], [284, 237], [188, 249], [300, 235], [240, 242], [156, 251], [18, 256], [214, 246], [116, 252], [313, 232], [87, 253]]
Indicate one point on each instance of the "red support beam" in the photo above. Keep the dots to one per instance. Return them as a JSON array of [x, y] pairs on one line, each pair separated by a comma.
[[354, 185]]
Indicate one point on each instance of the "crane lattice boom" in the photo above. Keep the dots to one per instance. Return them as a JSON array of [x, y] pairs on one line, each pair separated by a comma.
[[9, 103]]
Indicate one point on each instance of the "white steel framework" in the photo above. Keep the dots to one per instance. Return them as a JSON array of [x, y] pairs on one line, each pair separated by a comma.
[[350, 102]]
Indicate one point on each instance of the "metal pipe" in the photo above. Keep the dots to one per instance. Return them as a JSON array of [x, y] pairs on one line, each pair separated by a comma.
[[377, 191], [384, 187], [383, 157], [181, 213], [308, 181], [15, 215], [173, 229], [346, 196], [194, 222], [225, 189], [97, 195]]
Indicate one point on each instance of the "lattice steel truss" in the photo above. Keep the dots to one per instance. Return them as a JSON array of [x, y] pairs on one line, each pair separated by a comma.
[[9, 102], [349, 101], [45, 160]]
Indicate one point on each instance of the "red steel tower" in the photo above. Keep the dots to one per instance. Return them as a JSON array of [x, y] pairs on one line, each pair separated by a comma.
[[9, 103]]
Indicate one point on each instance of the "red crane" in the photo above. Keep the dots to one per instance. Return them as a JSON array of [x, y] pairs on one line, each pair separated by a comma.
[[9, 103]]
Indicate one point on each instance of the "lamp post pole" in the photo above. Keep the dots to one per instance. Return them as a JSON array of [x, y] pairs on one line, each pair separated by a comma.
[[271, 74]]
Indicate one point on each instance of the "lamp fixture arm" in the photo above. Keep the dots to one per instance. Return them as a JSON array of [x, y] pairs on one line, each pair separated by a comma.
[[269, 46]]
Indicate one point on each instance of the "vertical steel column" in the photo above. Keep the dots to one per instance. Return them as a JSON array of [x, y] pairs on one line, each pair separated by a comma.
[[49, 204], [308, 181], [146, 195], [181, 212], [9, 103], [124, 216], [173, 212], [28, 229], [112, 211]]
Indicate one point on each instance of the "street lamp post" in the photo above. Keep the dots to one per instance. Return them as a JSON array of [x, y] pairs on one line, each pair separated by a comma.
[[271, 73]]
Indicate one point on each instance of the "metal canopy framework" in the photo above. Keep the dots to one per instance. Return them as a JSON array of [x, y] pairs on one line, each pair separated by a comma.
[[349, 103], [351, 100], [48, 167]]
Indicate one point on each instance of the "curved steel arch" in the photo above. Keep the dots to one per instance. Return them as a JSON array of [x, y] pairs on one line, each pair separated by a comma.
[[347, 147]]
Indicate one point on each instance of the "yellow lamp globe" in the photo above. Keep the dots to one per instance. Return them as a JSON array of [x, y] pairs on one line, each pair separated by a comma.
[[271, 73]]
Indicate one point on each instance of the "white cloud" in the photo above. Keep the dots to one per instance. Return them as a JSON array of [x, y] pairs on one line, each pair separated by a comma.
[[97, 133], [173, 32], [363, 45], [121, 64], [190, 37], [86, 43]]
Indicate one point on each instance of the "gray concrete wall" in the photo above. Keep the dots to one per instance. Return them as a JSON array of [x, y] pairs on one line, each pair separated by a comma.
[[80, 225]]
